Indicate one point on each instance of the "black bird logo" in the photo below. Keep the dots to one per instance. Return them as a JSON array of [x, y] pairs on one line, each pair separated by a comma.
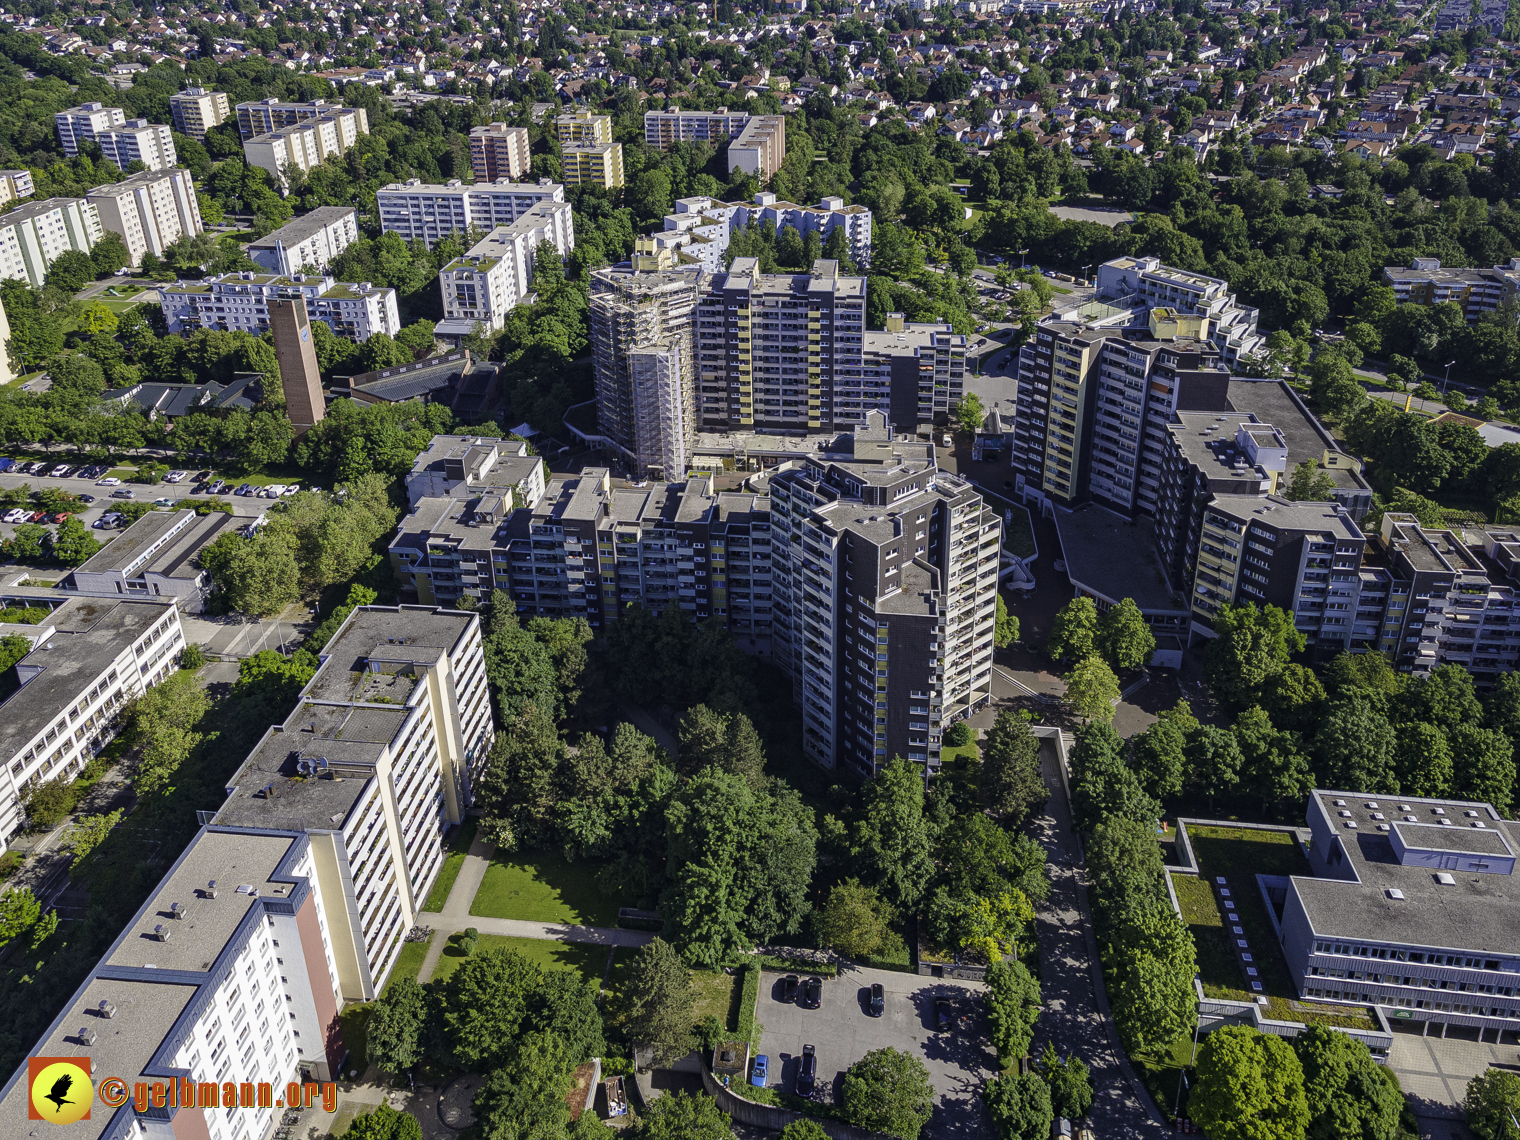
[[60, 1091]]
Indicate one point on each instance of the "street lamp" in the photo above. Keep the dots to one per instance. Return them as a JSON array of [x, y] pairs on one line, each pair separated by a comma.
[[1023, 260], [1447, 381], [1085, 268]]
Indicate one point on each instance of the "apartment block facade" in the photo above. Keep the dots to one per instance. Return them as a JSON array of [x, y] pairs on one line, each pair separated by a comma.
[[499, 153], [82, 123], [313, 240], [429, 212], [823, 219], [662, 128], [89, 657], [240, 302], [305, 144], [16, 184], [760, 148], [196, 110], [264, 115], [1475, 291], [32, 236], [582, 128], [150, 210], [137, 140], [593, 164], [492, 278]]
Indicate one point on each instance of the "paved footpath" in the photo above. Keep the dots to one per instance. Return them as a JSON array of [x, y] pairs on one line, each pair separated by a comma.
[[456, 916], [1076, 1013]]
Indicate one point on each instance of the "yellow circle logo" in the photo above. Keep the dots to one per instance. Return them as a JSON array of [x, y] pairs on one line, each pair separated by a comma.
[[62, 1092]]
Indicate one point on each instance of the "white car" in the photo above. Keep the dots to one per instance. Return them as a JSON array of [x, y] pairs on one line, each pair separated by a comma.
[[174, 476], [108, 520], [15, 516], [59, 472], [291, 489], [108, 481], [163, 502]]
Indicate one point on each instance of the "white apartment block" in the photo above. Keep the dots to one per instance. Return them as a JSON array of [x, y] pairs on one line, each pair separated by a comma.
[[196, 110], [484, 285], [499, 152], [220, 992], [150, 210], [305, 144], [239, 302], [138, 140], [32, 236], [823, 219], [81, 124], [89, 658], [760, 148], [16, 184], [429, 212], [1136, 282], [662, 128], [378, 759], [265, 115], [314, 239]]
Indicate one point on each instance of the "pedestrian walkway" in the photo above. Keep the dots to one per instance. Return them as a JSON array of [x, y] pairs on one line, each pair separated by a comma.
[[1076, 1016], [455, 916]]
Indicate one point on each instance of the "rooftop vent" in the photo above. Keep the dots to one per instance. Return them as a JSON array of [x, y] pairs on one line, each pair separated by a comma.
[[1340, 803], [106, 1009], [1471, 814], [1395, 893], [85, 1036], [1372, 803], [1405, 807], [1377, 815], [1351, 823], [161, 932], [1438, 811], [210, 891], [1444, 822], [1444, 879], [1383, 827], [1479, 823], [178, 910]]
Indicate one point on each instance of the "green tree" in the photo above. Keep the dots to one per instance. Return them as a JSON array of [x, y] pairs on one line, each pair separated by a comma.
[[891, 842], [1158, 759], [1213, 759], [1009, 782], [384, 1123], [1013, 1003], [1124, 861], [525, 1098], [72, 544], [13, 647], [1250, 1086], [1092, 690], [1492, 1103], [1124, 639], [1483, 765], [19, 912], [685, 1116], [1151, 963], [1353, 748], [804, 1128], [109, 254], [397, 1026], [519, 667], [1073, 634], [1309, 484], [46, 927], [1006, 631], [26, 542], [48, 802], [1422, 761], [1347, 1092], [1250, 647], [70, 271], [88, 833], [1020, 1106], [970, 414], [658, 1000], [888, 1090], [483, 1007], [1070, 1081], [259, 576], [854, 921], [517, 788], [1272, 763]]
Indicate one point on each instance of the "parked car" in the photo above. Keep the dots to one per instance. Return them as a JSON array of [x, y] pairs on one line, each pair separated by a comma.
[[123, 493], [245, 489], [812, 993], [761, 1072], [59, 472], [6, 464], [198, 489], [217, 487], [109, 481], [38, 516], [807, 1072], [85, 498], [878, 999], [57, 517], [202, 476], [944, 1013], [789, 989], [290, 489], [163, 502], [14, 516], [174, 477]]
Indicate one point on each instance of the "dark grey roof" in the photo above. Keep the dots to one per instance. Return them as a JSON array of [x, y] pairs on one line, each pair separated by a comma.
[[1274, 403]]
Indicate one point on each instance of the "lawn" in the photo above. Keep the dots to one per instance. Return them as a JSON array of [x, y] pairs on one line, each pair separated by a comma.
[[409, 961], [1239, 854], [590, 961], [1162, 1073], [458, 849], [1018, 538], [715, 992], [542, 886], [952, 752]]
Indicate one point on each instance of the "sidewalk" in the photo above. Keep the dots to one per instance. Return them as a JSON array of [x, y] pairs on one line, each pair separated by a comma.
[[455, 916]]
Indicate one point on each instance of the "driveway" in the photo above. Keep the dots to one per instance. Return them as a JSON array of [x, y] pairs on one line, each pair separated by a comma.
[[959, 1062]]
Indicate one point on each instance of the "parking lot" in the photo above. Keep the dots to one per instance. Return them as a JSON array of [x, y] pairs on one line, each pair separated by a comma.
[[841, 1031]]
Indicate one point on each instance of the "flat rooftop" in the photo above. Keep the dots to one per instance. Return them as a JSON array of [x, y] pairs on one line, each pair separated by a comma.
[[308, 225], [88, 634], [1272, 403], [129, 1044], [1115, 558]]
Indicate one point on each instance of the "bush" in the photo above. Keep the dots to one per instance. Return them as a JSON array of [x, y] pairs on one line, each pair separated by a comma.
[[888, 1090], [49, 802], [10, 863], [960, 734], [193, 657]]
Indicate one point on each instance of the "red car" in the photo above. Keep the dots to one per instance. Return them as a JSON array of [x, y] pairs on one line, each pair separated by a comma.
[[38, 516]]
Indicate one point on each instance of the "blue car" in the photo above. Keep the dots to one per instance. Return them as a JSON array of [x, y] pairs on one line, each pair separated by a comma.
[[761, 1071], [7, 464]]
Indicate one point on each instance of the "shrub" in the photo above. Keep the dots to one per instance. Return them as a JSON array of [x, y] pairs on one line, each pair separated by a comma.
[[960, 734]]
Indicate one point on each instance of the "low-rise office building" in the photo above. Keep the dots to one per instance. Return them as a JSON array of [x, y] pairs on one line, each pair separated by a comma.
[[310, 242], [196, 110], [150, 210], [1410, 908], [32, 236], [154, 557], [240, 302], [137, 140], [89, 657], [429, 212]]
